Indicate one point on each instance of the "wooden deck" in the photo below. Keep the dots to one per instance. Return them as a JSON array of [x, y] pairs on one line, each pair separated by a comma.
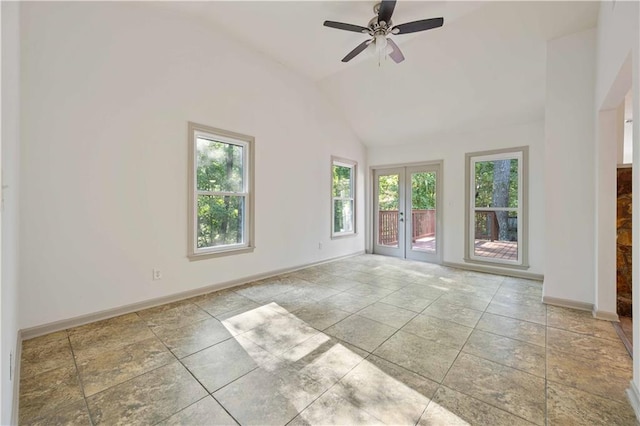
[[505, 250]]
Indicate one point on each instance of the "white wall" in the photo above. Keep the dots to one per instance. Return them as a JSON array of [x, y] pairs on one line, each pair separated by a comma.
[[569, 168], [451, 149], [108, 89], [10, 146]]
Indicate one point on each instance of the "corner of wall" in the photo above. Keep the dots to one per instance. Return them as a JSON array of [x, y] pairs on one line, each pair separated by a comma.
[[9, 214]]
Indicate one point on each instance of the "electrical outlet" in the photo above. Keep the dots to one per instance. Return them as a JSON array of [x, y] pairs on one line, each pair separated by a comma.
[[157, 274]]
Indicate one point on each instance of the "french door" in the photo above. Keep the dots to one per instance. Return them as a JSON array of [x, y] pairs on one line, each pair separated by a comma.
[[407, 222]]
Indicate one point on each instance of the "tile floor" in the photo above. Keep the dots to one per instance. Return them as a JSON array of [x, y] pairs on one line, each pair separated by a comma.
[[365, 340]]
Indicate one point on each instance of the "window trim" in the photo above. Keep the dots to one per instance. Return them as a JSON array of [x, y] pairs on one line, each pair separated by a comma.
[[354, 176], [225, 136], [522, 154]]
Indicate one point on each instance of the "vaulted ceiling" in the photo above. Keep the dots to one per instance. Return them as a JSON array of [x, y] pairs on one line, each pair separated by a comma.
[[484, 68]]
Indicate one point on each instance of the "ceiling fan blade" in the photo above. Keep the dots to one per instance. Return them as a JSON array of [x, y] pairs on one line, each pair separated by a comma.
[[346, 27], [356, 51], [395, 54], [415, 26], [386, 10]]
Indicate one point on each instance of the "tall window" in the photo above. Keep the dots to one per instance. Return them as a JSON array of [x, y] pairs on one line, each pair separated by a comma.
[[221, 204], [343, 193], [496, 207]]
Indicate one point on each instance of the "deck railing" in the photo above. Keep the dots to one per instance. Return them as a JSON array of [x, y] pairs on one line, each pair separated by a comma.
[[424, 225]]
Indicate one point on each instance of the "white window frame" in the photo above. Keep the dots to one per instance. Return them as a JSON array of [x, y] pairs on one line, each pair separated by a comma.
[[520, 154], [353, 165], [247, 142]]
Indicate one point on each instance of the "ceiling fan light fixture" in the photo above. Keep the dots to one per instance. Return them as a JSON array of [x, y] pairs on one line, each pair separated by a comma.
[[379, 27], [381, 43]]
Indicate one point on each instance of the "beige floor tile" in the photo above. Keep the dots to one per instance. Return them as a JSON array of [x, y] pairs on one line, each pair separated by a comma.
[[330, 409], [569, 406], [221, 364], [526, 331], [596, 376], [261, 291], [390, 315], [336, 282], [369, 290], [207, 411], [319, 316], [421, 291], [454, 313], [385, 282], [587, 346], [119, 365], [261, 348], [193, 337], [515, 298], [478, 302], [418, 383], [92, 339], [415, 304], [75, 413], [244, 320], [47, 392], [512, 390], [311, 291], [361, 332], [438, 331], [308, 274], [45, 353], [349, 302], [293, 300], [482, 277], [526, 312], [453, 408], [323, 358], [173, 315], [147, 399], [580, 322], [510, 352], [382, 395], [421, 356], [221, 302], [281, 333], [522, 285], [269, 398]]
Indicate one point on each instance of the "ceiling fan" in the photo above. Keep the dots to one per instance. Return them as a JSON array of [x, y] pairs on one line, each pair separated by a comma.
[[381, 27]]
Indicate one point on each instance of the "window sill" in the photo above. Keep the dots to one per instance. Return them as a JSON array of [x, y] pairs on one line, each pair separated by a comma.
[[523, 267], [222, 253], [340, 236]]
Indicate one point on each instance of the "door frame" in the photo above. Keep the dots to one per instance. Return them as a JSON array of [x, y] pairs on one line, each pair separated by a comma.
[[371, 220]]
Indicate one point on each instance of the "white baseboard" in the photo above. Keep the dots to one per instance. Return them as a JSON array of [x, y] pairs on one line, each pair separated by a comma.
[[634, 399], [17, 353], [40, 330], [567, 303], [494, 270], [605, 315]]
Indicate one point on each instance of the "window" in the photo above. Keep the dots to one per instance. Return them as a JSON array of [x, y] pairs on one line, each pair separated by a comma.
[[496, 207], [343, 195], [221, 192]]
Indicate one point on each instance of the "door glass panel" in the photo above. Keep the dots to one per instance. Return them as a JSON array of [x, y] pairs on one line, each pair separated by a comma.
[[496, 235], [388, 204], [423, 211]]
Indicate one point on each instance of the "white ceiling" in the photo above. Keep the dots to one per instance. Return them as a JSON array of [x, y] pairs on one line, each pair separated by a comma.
[[484, 68]]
